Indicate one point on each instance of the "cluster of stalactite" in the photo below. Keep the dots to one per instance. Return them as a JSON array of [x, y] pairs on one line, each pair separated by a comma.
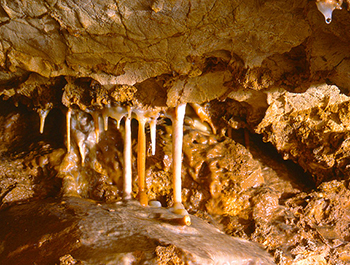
[[145, 116]]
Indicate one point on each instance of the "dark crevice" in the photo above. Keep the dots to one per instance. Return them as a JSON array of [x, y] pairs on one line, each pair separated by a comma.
[[266, 152]]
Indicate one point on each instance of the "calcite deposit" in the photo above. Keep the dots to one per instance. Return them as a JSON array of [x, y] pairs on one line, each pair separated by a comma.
[[92, 97], [93, 233]]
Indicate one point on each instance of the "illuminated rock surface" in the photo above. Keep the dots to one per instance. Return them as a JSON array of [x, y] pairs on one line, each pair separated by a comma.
[[115, 234], [249, 71]]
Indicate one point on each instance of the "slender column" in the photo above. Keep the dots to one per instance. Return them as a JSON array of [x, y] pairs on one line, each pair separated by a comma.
[[141, 161], [153, 130], [177, 152], [43, 114], [127, 172], [96, 117], [177, 163], [68, 118]]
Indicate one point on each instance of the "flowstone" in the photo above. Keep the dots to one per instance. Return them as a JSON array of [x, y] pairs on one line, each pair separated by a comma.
[[118, 233], [267, 67]]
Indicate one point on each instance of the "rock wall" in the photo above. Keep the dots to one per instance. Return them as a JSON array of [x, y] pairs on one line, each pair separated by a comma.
[[194, 45], [272, 68]]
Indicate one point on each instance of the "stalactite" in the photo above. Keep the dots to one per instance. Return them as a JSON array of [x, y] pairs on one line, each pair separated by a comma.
[[326, 7], [153, 130], [43, 114], [178, 120], [117, 113], [105, 115], [127, 171], [68, 119], [96, 117], [80, 140], [141, 156], [200, 120]]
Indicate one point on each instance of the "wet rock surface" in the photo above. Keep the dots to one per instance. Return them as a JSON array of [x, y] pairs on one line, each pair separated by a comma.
[[128, 42], [115, 233], [270, 71]]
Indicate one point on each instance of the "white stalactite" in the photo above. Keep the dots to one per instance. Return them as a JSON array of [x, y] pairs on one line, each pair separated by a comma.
[[117, 113], [177, 152], [141, 156], [43, 114], [153, 130], [68, 119], [326, 7], [127, 172]]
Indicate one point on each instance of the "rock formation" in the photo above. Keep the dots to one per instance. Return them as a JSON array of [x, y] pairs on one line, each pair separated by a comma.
[[89, 92], [76, 231]]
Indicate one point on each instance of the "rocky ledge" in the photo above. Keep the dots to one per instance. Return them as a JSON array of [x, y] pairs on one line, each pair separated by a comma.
[[115, 233]]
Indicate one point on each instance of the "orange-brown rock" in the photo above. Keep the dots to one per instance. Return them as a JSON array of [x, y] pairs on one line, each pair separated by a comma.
[[247, 69]]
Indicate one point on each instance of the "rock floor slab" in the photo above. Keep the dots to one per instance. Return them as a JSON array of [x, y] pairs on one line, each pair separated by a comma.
[[79, 231]]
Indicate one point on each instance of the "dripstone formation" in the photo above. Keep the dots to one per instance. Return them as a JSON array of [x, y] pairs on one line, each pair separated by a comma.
[[232, 113]]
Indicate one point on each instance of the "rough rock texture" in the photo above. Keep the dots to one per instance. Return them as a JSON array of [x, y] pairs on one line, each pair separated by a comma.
[[273, 68], [130, 41], [115, 234], [310, 128], [313, 226]]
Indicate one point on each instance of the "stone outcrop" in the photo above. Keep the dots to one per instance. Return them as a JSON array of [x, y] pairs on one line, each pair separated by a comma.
[[249, 70], [310, 128], [115, 234], [130, 42]]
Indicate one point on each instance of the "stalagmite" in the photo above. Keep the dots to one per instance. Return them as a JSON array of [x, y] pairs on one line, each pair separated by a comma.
[[127, 172], [68, 118], [177, 156], [43, 114], [141, 156]]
